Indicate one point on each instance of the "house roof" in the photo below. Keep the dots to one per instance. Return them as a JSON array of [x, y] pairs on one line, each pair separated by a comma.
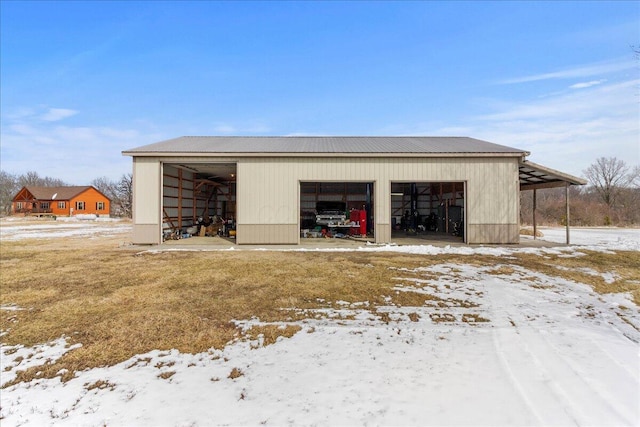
[[57, 193], [323, 145]]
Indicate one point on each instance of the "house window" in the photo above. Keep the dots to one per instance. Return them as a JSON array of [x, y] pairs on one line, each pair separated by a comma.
[[44, 205], [79, 206], [62, 205], [19, 205], [100, 206]]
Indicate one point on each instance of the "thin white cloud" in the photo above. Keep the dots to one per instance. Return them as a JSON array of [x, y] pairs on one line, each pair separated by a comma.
[[257, 127], [587, 84], [31, 144], [569, 131], [300, 134], [225, 129], [582, 71], [56, 114], [566, 131], [603, 100]]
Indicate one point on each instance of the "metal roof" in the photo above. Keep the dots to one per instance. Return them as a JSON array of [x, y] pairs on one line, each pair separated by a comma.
[[535, 176], [301, 145]]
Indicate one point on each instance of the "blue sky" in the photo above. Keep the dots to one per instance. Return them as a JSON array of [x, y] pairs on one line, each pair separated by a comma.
[[82, 81]]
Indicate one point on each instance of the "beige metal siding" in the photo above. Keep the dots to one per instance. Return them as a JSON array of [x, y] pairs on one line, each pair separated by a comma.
[[268, 188], [267, 234], [267, 192], [145, 234], [493, 233], [146, 201]]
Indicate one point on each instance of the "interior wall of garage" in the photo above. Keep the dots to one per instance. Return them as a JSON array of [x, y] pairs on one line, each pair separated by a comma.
[[179, 201], [185, 198], [149, 189], [445, 200], [268, 192]]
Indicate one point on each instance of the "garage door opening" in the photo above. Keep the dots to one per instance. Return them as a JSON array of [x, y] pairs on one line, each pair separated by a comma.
[[199, 203], [336, 210], [428, 210]]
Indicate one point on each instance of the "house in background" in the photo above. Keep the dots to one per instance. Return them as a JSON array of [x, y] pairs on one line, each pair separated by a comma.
[[61, 201]]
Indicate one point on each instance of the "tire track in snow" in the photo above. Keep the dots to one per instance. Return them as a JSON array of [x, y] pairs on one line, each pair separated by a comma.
[[554, 384], [632, 374], [499, 346], [586, 389], [530, 379]]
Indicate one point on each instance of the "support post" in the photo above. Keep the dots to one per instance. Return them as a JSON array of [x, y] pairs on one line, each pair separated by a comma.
[[566, 198], [413, 206], [194, 215], [535, 206], [180, 198], [446, 216], [430, 198]]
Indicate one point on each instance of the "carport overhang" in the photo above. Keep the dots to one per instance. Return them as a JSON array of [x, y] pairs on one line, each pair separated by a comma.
[[535, 177]]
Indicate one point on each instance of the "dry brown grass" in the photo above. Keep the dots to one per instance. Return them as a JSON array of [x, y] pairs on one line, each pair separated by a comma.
[[414, 317], [625, 264], [119, 303], [473, 318], [235, 373], [442, 317], [271, 333], [100, 384]]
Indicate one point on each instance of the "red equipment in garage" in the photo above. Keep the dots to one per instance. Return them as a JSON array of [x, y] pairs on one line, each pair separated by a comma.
[[359, 216]]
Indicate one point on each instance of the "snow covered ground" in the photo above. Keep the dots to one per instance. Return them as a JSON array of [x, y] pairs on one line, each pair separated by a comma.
[[13, 229], [611, 237], [552, 352]]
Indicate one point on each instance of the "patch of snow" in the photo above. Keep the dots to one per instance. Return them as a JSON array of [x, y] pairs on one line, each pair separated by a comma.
[[19, 358], [86, 217], [611, 238], [63, 229], [10, 307], [553, 352]]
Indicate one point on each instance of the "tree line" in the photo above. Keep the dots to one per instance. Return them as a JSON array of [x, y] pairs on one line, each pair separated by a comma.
[[120, 191], [611, 197]]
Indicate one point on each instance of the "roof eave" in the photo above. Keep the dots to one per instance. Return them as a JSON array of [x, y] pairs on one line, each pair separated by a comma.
[[519, 154]]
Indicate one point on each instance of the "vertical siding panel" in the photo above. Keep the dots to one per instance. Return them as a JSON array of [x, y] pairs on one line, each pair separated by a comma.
[[147, 180]]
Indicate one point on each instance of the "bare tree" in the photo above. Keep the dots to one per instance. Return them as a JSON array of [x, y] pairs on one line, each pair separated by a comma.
[[609, 176], [32, 178], [103, 184], [29, 178], [124, 194], [108, 188], [635, 177], [8, 189]]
